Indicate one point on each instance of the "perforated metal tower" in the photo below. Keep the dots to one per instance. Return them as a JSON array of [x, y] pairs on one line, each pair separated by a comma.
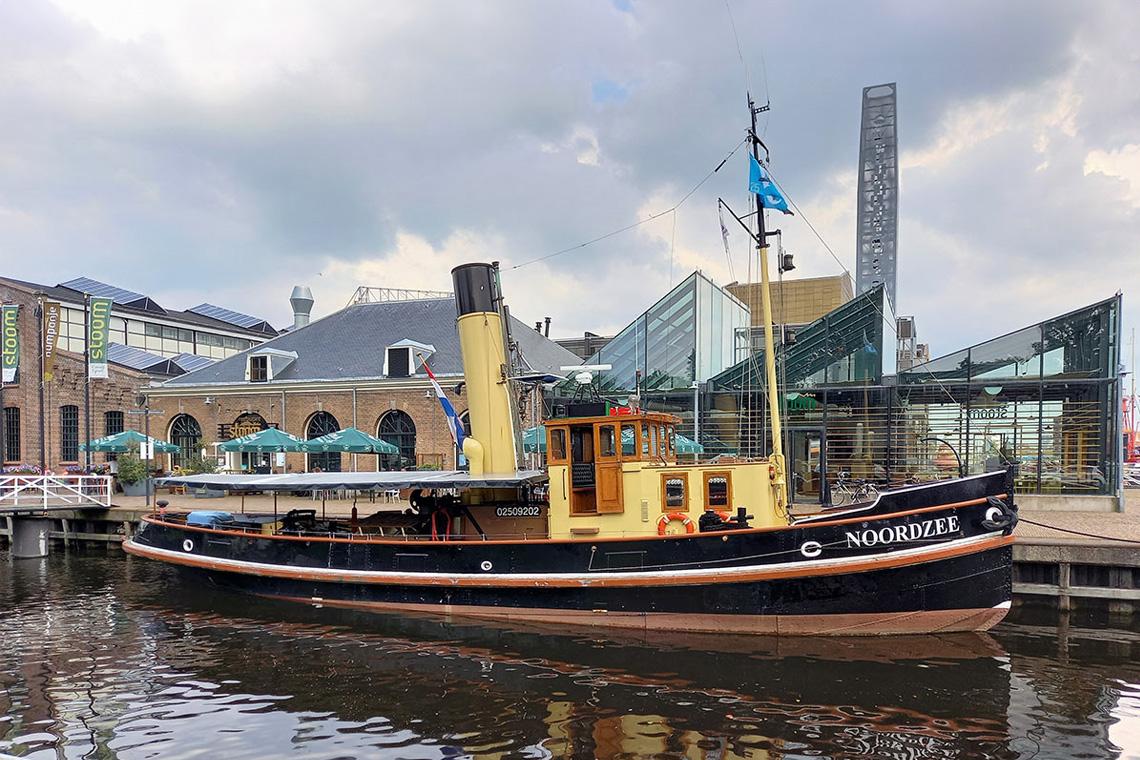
[[878, 220]]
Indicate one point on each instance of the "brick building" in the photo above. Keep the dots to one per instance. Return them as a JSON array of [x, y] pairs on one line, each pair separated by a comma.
[[148, 344], [356, 367], [796, 302]]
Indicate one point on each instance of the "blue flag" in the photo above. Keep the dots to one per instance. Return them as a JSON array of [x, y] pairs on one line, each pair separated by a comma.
[[760, 183]]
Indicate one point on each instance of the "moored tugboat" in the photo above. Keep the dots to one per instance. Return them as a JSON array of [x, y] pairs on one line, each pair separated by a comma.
[[616, 532]]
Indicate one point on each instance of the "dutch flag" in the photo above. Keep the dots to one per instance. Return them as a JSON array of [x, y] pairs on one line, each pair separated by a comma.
[[453, 423]]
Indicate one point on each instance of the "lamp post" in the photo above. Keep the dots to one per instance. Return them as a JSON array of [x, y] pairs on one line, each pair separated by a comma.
[[144, 403]]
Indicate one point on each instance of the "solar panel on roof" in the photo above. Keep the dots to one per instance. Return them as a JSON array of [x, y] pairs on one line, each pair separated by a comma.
[[226, 315], [192, 362], [103, 290], [135, 358]]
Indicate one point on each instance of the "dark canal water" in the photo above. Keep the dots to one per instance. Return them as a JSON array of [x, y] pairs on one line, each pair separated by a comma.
[[104, 657]]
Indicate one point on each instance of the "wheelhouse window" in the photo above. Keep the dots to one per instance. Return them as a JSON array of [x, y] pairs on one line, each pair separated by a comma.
[[557, 444], [718, 490], [11, 434], [629, 440], [607, 441], [259, 369], [674, 492], [69, 433]]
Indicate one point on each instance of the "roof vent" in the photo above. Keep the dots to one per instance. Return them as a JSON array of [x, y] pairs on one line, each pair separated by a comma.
[[301, 299]]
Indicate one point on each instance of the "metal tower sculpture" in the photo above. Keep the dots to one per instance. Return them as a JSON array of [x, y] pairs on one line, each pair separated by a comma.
[[878, 221]]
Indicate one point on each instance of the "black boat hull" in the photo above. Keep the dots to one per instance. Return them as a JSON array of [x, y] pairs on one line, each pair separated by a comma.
[[936, 558]]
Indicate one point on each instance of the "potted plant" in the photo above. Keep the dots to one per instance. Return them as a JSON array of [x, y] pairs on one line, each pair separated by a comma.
[[133, 474], [196, 464]]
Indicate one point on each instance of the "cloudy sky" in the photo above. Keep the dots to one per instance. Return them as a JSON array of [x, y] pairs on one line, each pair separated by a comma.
[[226, 151]]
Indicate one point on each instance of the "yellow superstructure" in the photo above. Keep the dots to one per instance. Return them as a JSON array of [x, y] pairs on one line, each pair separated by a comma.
[[619, 476]]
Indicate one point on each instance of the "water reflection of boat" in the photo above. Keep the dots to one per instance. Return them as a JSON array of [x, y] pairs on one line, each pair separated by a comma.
[[943, 696]]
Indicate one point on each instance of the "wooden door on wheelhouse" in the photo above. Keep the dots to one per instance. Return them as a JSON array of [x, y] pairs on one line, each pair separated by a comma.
[[607, 462]]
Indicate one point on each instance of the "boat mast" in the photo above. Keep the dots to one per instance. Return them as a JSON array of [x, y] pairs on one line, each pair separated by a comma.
[[777, 456]]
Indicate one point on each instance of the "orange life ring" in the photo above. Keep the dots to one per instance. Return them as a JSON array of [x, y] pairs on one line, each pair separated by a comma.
[[665, 519], [725, 516]]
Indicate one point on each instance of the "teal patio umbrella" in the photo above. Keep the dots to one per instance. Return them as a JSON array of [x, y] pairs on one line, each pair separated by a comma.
[[268, 441], [685, 445], [349, 440], [534, 439], [128, 440]]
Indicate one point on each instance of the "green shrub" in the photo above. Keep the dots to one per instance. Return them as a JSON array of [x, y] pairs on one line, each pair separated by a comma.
[[196, 463], [131, 468]]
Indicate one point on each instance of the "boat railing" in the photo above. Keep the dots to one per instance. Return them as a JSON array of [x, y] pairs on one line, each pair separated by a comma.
[[363, 535]]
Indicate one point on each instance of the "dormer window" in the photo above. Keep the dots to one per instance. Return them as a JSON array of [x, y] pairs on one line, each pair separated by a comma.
[[399, 361], [259, 369], [264, 364], [403, 357]]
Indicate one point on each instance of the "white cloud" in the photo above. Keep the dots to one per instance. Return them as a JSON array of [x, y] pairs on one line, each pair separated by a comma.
[[1122, 164]]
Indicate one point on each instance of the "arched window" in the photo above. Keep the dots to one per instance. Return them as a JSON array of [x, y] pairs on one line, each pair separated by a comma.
[[186, 434], [397, 428], [69, 433], [323, 423]]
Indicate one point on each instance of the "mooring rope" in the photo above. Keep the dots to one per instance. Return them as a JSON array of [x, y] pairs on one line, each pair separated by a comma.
[[1077, 532]]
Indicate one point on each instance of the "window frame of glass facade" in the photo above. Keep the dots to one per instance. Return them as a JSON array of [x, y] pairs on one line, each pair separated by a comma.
[[1061, 429], [689, 334]]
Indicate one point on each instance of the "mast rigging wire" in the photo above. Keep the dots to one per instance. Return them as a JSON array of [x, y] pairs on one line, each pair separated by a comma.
[[640, 222]]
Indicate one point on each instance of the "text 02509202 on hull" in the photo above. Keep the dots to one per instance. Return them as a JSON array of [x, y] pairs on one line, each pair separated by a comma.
[[914, 568]]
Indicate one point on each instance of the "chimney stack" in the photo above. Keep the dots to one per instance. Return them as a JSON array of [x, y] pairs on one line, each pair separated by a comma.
[[547, 321], [301, 299]]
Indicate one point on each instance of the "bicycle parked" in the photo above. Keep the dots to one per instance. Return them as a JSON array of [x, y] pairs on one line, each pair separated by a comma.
[[848, 490]]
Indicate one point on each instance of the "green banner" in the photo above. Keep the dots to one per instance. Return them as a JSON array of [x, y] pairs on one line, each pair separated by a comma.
[[98, 330], [10, 341]]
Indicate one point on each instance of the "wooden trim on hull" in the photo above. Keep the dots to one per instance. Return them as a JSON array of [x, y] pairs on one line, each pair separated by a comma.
[[852, 624], [801, 569]]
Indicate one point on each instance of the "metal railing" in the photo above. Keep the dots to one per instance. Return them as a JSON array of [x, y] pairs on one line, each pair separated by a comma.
[[54, 491]]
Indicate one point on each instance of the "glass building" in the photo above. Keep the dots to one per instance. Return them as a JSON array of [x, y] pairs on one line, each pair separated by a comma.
[[691, 334], [1045, 398]]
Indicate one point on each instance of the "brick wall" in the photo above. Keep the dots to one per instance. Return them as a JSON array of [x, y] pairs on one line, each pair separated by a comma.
[[433, 441], [117, 393]]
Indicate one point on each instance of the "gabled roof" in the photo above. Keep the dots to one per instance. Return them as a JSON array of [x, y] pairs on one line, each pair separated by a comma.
[[350, 344]]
